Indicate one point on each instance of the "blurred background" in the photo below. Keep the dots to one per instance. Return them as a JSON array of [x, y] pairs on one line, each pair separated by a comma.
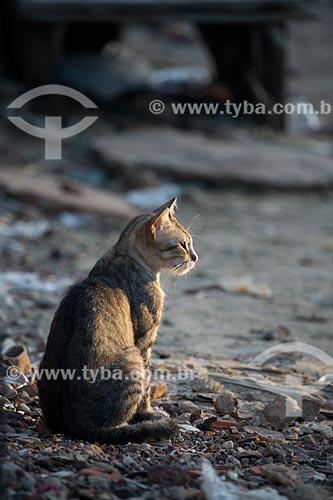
[[257, 185]]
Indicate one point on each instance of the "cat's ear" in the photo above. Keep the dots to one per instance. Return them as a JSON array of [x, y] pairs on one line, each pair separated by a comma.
[[168, 207], [159, 218]]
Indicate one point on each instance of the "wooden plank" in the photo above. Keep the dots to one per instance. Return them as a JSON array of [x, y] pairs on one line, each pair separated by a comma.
[[193, 156], [45, 190]]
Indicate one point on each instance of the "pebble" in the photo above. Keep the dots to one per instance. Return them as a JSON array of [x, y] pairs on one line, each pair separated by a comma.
[[4, 429], [226, 403], [24, 408], [6, 390], [27, 482], [4, 401], [128, 460], [311, 408], [277, 452], [324, 430], [46, 302], [30, 390], [206, 385], [9, 473], [275, 412], [228, 445], [101, 481], [309, 440], [24, 396], [188, 407]]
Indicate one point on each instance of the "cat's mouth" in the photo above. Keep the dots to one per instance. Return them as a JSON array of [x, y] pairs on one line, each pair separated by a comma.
[[184, 267]]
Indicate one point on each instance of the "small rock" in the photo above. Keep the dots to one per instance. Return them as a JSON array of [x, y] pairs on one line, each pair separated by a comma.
[[309, 440], [24, 408], [181, 493], [311, 408], [158, 390], [94, 449], [223, 424], [188, 428], [280, 474], [323, 430], [24, 396], [327, 409], [7, 390], [277, 452], [205, 384], [188, 407], [27, 482], [9, 473], [128, 460], [101, 481], [46, 302], [228, 445], [83, 493], [171, 409], [205, 424], [275, 413], [5, 429], [265, 434], [4, 401], [226, 403], [31, 390], [306, 491]]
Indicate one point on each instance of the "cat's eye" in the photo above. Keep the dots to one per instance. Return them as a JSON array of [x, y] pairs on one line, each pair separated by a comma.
[[170, 248], [183, 245]]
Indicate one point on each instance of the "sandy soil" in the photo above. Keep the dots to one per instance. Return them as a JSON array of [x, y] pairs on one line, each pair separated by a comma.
[[265, 262]]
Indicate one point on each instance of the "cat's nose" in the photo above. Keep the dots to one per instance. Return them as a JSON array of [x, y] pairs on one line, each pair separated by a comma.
[[194, 257]]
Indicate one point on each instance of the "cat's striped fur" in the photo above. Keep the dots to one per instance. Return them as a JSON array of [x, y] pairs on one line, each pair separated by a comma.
[[109, 321]]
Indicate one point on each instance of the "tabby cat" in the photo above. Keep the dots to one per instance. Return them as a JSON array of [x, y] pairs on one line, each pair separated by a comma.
[[109, 321]]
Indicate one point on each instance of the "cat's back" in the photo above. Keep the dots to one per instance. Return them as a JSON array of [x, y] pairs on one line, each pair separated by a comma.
[[94, 306]]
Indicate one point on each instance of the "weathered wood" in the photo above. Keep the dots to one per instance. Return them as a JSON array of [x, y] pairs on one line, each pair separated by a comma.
[[193, 156], [50, 192]]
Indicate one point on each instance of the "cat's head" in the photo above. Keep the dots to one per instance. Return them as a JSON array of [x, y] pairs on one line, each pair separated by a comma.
[[165, 243]]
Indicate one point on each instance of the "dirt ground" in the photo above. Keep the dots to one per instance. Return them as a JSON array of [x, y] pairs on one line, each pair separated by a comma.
[[265, 261], [264, 278]]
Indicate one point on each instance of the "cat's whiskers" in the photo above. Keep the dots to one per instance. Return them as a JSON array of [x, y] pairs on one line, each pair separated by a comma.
[[196, 235], [189, 227], [179, 267], [170, 280]]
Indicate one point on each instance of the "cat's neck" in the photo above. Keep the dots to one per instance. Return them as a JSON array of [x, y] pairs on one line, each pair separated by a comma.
[[138, 261], [123, 256]]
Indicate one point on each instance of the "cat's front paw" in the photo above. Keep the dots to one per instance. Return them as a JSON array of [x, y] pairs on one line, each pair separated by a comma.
[[143, 416], [158, 413]]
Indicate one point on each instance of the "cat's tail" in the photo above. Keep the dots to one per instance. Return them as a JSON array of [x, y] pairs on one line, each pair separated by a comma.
[[135, 433]]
